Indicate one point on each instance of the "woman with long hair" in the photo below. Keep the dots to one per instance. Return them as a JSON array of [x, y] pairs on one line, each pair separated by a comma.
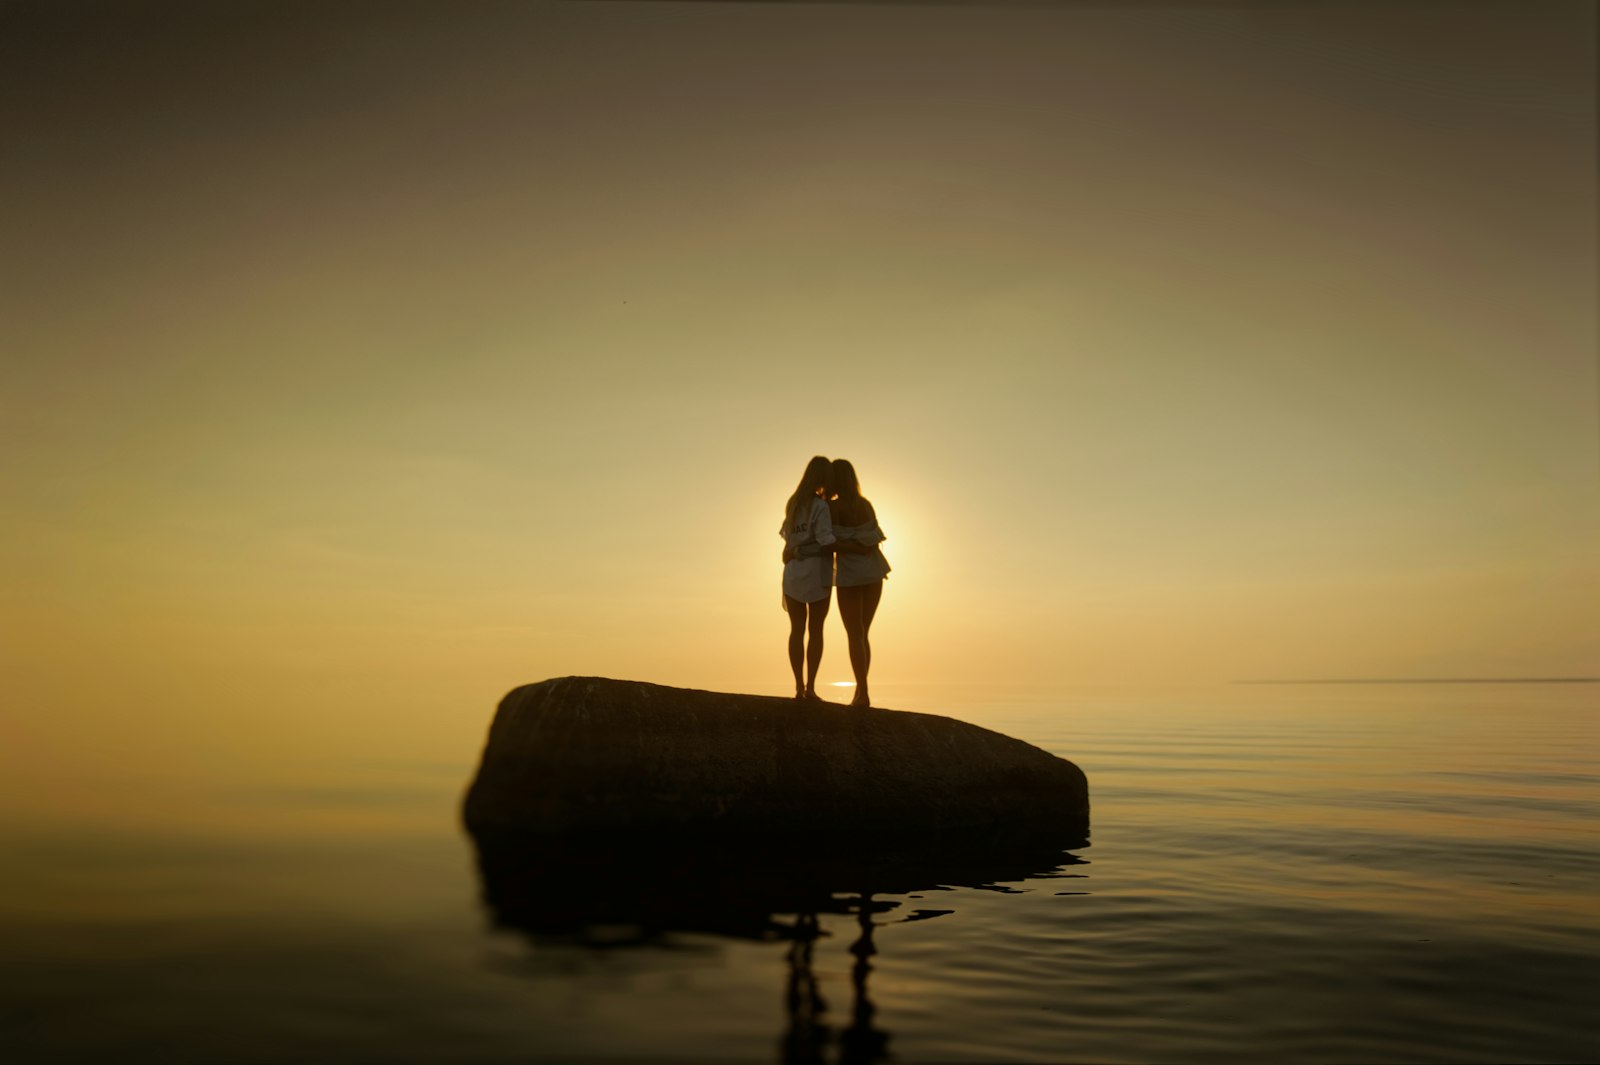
[[808, 571], [861, 569]]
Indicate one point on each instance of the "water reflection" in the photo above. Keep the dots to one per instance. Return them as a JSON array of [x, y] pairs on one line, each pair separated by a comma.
[[633, 892], [806, 1038]]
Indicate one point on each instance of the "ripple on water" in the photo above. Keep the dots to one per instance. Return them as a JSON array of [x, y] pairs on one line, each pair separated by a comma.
[[1354, 877]]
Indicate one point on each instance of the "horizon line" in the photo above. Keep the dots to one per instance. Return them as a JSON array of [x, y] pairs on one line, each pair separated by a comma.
[[1428, 680]]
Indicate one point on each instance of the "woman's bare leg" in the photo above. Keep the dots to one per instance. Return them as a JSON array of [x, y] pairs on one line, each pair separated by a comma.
[[857, 605], [817, 613], [871, 596], [797, 644], [855, 634]]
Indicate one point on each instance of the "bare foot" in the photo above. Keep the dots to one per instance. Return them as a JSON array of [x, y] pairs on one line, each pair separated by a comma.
[[861, 699], [813, 696]]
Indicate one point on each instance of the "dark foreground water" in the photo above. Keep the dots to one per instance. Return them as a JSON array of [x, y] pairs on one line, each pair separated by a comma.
[[1318, 874]]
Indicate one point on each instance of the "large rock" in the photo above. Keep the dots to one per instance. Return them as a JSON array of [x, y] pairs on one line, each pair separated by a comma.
[[586, 754]]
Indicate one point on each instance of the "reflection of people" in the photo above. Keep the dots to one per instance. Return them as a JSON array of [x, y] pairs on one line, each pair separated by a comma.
[[861, 1043], [806, 1039], [808, 571], [807, 1034], [861, 569]]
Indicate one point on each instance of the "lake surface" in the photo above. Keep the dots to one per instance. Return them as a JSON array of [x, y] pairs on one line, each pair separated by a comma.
[[1404, 873]]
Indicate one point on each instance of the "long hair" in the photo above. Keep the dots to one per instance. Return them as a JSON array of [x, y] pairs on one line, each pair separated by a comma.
[[819, 474], [850, 506], [845, 481]]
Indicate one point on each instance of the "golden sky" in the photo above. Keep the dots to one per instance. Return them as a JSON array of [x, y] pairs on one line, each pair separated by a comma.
[[410, 352]]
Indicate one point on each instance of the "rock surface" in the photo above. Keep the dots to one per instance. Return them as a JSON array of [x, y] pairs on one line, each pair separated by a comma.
[[585, 754]]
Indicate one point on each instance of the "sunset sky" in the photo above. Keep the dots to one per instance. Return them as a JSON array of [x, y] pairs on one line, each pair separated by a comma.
[[367, 359]]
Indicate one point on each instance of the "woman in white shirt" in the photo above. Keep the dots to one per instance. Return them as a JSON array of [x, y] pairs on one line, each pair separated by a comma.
[[860, 570], [808, 571]]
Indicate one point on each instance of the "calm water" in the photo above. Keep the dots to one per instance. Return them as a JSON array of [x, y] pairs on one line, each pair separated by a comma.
[[1394, 874]]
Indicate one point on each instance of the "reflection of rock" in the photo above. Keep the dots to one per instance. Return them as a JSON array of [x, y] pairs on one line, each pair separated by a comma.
[[585, 753], [610, 890], [615, 889]]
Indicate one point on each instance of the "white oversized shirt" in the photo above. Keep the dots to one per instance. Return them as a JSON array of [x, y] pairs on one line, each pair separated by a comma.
[[854, 567], [809, 579]]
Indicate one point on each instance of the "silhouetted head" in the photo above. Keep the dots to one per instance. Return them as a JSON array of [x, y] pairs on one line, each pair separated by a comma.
[[817, 480], [845, 482]]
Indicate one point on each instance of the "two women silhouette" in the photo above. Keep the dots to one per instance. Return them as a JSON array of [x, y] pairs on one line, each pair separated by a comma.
[[831, 537]]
